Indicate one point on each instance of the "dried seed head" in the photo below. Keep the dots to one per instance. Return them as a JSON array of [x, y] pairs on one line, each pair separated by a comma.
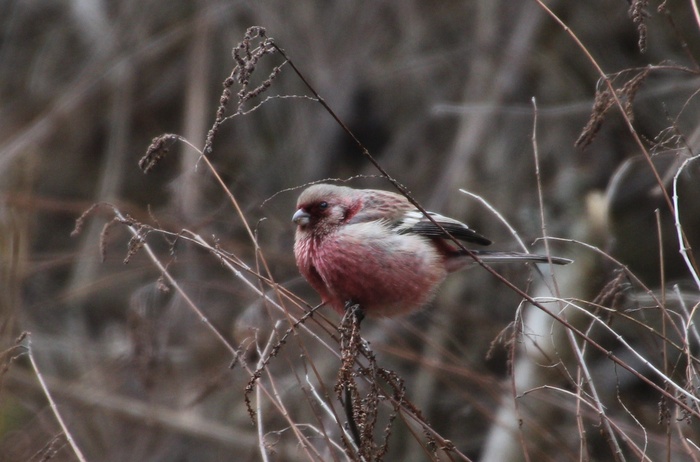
[[156, 151]]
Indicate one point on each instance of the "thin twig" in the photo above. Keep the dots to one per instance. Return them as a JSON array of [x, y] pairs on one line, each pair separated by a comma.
[[646, 362], [259, 423], [683, 243], [696, 11], [52, 403]]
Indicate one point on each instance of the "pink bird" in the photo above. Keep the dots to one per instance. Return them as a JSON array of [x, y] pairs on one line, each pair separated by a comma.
[[375, 249]]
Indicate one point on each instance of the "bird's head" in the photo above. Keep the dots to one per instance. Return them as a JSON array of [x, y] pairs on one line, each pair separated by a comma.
[[322, 208]]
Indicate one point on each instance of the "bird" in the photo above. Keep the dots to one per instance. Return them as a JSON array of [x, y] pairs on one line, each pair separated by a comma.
[[374, 249]]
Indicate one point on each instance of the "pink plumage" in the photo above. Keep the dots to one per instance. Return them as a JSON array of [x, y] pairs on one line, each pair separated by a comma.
[[373, 248]]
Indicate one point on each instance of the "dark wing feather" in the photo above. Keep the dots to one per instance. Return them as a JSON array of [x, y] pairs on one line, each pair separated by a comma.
[[457, 230], [416, 223]]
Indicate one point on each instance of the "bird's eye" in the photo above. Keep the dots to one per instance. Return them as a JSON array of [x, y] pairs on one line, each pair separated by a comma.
[[323, 205]]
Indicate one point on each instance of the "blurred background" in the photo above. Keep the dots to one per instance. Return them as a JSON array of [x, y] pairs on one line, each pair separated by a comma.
[[441, 95]]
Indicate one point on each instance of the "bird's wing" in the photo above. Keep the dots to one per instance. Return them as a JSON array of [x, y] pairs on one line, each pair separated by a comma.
[[416, 223], [380, 205], [400, 215]]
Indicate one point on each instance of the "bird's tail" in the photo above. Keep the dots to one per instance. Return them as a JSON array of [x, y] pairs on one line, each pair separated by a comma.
[[491, 256]]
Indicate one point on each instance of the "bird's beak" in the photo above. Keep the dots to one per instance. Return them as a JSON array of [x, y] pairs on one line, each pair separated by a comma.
[[301, 217]]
